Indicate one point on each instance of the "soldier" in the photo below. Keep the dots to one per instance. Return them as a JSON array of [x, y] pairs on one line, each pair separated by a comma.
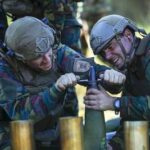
[[33, 81], [113, 38], [60, 13]]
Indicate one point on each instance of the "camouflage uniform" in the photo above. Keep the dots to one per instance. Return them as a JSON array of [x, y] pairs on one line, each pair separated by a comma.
[[136, 94], [28, 93], [28, 99], [134, 102], [20, 101], [63, 16], [61, 13]]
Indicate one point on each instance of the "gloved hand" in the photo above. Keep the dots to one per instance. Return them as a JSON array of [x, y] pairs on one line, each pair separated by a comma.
[[66, 80], [113, 77]]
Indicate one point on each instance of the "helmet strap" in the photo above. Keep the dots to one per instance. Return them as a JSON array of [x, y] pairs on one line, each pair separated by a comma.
[[129, 54]]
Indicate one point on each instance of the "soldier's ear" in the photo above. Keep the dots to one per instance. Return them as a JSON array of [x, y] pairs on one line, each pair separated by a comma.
[[128, 34]]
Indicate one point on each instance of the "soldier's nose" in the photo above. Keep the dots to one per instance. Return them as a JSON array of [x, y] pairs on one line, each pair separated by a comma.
[[47, 58]]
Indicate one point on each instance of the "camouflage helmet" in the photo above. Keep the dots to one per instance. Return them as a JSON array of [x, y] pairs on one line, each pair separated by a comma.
[[106, 29], [29, 38]]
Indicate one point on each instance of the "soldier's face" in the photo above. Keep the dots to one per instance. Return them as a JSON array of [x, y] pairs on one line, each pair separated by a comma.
[[43, 63], [114, 54]]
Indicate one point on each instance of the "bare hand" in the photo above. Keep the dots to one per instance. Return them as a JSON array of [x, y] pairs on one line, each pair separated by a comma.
[[112, 76], [98, 100], [66, 80]]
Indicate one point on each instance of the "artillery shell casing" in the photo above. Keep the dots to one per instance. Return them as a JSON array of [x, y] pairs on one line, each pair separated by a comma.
[[136, 135], [71, 132], [22, 135]]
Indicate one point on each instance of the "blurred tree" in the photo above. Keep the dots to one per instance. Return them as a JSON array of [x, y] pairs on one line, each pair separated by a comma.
[[93, 10], [136, 9]]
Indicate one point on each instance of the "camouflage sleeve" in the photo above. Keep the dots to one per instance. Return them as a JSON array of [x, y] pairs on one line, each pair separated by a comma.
[[58, 11], [65, 58], [138, 107], [19, 104], [68, 58]]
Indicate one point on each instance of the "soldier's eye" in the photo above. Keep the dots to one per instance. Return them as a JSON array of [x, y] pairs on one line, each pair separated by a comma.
[[110, 47], [102, 53]]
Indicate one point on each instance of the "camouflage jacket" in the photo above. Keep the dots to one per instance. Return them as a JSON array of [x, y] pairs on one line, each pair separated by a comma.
[[23, 99], [26, 99], [135, 101], [57, 11]]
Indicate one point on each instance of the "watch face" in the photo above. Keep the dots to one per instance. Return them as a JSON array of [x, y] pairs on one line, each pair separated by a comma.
[[117, 104]]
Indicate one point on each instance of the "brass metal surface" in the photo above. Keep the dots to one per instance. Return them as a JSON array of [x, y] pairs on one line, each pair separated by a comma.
[[71, 132], [22, 135], [136, 135]]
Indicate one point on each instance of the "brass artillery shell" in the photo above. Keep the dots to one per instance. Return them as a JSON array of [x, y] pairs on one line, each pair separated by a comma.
[[136, 135], [71, 132], [22, 135]]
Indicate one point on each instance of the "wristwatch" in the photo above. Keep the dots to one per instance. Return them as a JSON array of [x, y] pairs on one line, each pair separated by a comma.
[[116, 105]]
